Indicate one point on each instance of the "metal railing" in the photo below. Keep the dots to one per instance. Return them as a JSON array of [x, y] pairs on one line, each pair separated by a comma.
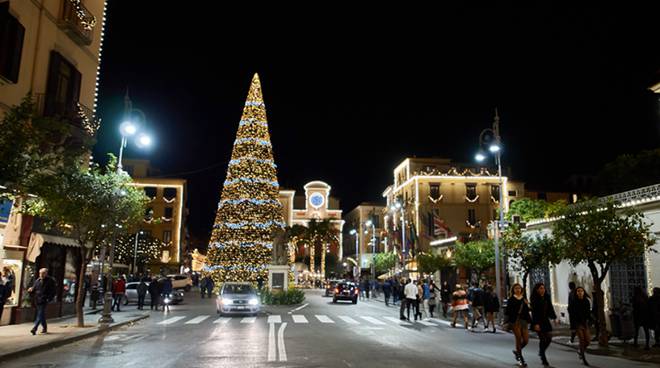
[[77, 21]]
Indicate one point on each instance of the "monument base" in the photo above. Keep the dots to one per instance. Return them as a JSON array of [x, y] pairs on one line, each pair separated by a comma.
[[278, 277]]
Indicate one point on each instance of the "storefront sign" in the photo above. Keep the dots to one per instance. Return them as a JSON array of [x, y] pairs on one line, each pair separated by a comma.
[[5, 210]]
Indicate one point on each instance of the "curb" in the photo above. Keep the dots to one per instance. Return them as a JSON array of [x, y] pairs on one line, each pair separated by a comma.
[[57, 343], [606, 352]]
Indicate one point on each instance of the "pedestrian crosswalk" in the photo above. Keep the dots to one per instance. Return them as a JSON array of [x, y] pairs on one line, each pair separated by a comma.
[[304, 320]]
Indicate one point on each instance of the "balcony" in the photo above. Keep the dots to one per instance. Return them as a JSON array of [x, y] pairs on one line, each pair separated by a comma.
[[76, 113], [77, 22]]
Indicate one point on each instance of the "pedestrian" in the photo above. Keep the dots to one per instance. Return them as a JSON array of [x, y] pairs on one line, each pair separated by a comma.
[[477, 303], [402, 298], [426, 295], [396, 291], [571, 296], [654, 313], [387, 290], [445, 297], [86, 284], [419, 301], [6, 287], [460, 305], [411, 298], [641, 315], [542, 313], [517, 316], [202, 286], [579, 313], [3, 298], [142, 292], [260, 282], [433, 297], [165, 292], [366, 285], [491, 306], [210, 285], [118, 291], [154, 294], [43, 291]]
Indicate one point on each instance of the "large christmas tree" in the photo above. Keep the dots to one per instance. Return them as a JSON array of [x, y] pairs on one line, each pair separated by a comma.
[[249, 209]]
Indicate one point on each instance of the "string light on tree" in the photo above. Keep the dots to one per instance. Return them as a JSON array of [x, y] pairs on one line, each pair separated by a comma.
[[249, 209]]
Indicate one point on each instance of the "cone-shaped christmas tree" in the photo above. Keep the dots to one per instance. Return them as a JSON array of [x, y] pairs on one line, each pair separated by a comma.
[[249, 208]]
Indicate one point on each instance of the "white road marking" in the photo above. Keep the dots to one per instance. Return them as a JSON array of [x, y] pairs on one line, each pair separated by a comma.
[[299, 308], [222, 320], [271, 343], [275, 319], [248, 320], [349, 320], [426, 323], [324, 319], [280, 342], [197, 320], [398, 321], [373, 320], [299, 318], [169, 321]]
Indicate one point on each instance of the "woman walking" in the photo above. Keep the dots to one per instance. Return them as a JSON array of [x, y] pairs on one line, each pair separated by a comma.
[[579, 310], [517, 314], [542, 313], [641, 316], [491, 306], [460, 305]]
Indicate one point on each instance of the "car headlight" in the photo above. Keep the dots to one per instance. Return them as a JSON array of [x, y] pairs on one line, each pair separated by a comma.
[[253, 301], [226, 301]]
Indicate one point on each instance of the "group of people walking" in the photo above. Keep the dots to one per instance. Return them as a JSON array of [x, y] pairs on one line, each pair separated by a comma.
[[418, 296]]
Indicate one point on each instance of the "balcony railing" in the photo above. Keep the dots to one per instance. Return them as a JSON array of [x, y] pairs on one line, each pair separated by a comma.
[[78, 114], [77, 22]]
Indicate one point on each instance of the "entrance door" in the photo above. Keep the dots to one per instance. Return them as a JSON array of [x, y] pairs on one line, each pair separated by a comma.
[[624, 277]]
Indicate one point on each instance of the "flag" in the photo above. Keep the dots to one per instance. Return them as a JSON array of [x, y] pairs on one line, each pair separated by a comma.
[[440, 228]]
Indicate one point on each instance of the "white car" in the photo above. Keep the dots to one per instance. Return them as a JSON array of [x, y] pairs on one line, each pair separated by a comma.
[[238, 297], [180, 282]]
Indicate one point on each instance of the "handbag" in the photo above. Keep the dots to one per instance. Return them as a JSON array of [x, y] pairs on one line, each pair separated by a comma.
[[508, 325]]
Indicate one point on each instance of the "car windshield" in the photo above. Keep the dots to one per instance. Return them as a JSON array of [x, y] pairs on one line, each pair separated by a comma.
[[238, 289]]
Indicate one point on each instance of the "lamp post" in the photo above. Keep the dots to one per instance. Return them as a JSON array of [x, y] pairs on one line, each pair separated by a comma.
[[137, 234], [370, 223], [357, 251], [495, 148], [393, 208], [129, 128]]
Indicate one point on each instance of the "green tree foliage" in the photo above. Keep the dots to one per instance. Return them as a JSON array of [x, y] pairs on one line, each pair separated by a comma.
[[477, 255], [429, 263], [629, 172], [383, 262], [528, 252], [531, 209], [598, 234], [91, 205], [149, 249]]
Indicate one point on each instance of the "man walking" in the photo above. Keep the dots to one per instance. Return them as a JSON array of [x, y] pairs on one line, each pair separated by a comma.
[[202, 286], [477, 305], [445, 297], [142, 292], [154, 293], [402, 298], [387, 289], [43, 291], [118, 291], [411, 297]]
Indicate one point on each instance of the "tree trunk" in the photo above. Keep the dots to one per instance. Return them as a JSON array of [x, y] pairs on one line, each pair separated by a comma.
[[80, 315], [599, 299], [524, 280]]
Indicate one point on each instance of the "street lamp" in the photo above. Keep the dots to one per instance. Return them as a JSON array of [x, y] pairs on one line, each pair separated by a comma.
[[370, 223], [357, 250], [137, 234], [397, 206], [495, 147]]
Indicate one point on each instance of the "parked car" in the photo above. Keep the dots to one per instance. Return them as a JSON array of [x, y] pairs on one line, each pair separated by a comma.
[[330, 287], [346, 290], [131, 295], [181, 282], [238, 298]]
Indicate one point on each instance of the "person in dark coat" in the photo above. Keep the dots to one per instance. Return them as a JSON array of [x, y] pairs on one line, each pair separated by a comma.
[[641, 315], [165, 291], [654, 312], [387, 290], [142, 293], [154, 293], [571, 296], [202, 286], [517, 316], [579, 313], [491, 306], [43, 292], [542, 313], [210, 285]]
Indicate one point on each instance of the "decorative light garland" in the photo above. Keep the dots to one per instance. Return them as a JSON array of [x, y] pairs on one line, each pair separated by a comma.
[[88, 21], [220, 245], [262, 142], [472, 200], [257, 160], [252, 181], [259, 225], [436, 200], [250, 200]]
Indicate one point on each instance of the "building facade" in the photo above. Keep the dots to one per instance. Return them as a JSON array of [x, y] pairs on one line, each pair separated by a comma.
[[53, 50], [359, 237], [166, 214]]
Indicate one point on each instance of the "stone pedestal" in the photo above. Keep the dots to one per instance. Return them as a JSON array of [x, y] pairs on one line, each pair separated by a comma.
[[278, 277]]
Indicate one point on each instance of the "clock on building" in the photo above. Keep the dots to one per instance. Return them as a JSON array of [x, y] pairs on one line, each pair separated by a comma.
[[316, 200]]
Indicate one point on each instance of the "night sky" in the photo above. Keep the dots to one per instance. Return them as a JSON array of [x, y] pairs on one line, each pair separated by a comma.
[[351, 93]]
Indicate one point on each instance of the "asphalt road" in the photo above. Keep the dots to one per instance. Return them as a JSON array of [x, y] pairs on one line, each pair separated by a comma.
[[317, 334]]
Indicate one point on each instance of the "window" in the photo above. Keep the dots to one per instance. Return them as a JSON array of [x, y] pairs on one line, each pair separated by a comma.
[[471, 191], [63, 88], [150, 192], [434, 191], [11, 44], [513, 193], [167, 236], [472, 216], [542, 196], [169, 193], [149, 214], [495, 192], [169, 211]]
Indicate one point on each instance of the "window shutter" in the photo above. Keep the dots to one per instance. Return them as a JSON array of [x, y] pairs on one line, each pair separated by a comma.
[[51, 86], [74, 94]]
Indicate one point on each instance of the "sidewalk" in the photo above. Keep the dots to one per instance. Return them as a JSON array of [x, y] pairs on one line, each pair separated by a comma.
[[562, 336], [18, 341]]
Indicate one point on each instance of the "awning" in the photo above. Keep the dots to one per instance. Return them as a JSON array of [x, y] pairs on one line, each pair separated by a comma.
[[37, 240]]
